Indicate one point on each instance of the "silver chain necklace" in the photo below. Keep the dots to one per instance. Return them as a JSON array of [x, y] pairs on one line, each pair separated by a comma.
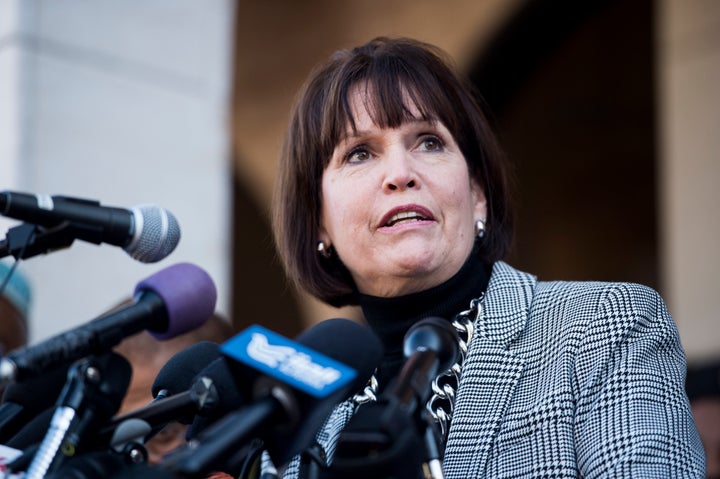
[[441, 404]]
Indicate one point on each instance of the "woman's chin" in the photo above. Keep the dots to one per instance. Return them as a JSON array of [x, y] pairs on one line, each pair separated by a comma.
[[424, 270]]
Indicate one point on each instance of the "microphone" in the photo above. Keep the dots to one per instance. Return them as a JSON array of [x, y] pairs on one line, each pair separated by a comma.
[[293, 387], [147, 233], [394, 437], [226, 391], [178, 374], [176, 397], [170, 302]]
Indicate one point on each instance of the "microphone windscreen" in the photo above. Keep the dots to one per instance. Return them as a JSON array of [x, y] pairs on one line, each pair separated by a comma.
[[346, 341], [178, 373], [117, 371], [189, 295], [228, 383]]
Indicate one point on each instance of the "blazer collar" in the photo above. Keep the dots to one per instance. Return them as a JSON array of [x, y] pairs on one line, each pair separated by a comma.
[[506, 305], [490, 372]]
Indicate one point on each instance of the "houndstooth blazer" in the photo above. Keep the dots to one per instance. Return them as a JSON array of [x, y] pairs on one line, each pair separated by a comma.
[[566, 380]]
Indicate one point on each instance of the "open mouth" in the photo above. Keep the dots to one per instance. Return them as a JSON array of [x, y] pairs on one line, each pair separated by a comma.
[[405, 217]]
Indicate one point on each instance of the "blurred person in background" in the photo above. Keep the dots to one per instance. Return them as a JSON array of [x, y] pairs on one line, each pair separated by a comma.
[[14, 308]]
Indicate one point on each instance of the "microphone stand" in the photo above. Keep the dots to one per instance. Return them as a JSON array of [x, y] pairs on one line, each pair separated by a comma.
[[27, 240], [87, 387]]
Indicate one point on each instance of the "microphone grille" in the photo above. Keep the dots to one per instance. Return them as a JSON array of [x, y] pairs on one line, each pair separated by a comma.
[[156, 234]]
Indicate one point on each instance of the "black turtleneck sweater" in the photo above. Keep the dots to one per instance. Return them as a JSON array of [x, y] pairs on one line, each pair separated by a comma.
[[390, 318]]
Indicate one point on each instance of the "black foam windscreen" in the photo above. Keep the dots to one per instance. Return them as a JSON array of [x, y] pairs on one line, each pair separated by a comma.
[[178, 374]]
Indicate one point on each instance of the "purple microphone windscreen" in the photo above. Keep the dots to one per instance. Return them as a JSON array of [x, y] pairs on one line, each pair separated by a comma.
[[189, 295], [179, 372]]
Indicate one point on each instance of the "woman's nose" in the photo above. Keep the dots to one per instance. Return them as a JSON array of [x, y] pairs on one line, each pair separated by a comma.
[[400, 174]]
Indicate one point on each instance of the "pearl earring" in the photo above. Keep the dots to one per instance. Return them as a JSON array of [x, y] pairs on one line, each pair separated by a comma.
[[480, 228], [323, 250]]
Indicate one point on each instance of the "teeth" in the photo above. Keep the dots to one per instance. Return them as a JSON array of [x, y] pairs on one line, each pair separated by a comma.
[[405, 215]]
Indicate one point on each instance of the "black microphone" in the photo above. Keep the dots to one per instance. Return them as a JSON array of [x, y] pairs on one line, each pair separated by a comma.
[[394, 437], [176, 396], [179, 373], [172, 301], [186, 386], [292, 387], [148, 233], [221, 382]]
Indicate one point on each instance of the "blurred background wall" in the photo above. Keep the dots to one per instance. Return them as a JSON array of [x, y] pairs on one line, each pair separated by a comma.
[[125, 103], [608, 110]]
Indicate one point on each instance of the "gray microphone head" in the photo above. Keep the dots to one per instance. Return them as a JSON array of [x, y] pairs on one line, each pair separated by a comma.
[[156, 234], [130, 430]]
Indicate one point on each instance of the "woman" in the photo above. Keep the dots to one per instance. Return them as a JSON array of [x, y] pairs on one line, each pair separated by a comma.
[[392, 195]]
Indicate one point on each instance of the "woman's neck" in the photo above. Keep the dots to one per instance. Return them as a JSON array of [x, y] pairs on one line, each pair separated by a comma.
[[390, 318]]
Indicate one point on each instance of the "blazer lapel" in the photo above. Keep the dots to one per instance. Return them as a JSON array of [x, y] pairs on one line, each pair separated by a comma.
[[489, 374]]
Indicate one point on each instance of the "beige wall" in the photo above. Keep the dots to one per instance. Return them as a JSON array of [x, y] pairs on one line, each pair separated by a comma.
[[689, 133]]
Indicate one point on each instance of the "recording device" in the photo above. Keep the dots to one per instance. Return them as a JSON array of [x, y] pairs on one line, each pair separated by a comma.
[[394, 437], [147, 233], [290, 388], [170, 302]]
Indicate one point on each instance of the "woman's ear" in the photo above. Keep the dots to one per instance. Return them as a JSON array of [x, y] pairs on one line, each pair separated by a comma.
[[479, 201], [323, 236]]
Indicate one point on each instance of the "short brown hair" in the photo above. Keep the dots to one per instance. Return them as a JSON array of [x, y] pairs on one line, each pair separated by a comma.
[[389, 68]]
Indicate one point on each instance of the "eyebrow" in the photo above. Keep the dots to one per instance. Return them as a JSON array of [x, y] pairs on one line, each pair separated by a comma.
[[350, 133]]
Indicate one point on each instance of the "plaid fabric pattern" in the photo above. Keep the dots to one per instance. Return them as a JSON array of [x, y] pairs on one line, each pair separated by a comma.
[[568, 380]]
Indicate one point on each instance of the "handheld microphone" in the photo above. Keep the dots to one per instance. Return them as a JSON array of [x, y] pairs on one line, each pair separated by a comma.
[[172, 301], [147, 233], [293, 387], [393, 437]]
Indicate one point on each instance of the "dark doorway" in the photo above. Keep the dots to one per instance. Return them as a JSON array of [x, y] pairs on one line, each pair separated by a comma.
[[571, 88], [260, 292]]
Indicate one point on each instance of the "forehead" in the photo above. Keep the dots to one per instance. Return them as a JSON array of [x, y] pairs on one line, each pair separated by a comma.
[[365, 107]]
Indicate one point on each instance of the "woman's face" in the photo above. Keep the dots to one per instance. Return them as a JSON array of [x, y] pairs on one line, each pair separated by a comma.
[[399, 206]]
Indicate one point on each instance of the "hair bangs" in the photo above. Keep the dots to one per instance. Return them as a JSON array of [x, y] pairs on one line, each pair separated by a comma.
[[391, 94]]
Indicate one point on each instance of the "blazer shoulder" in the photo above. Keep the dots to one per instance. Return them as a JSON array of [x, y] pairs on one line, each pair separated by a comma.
[[616, 305], [613, 294]]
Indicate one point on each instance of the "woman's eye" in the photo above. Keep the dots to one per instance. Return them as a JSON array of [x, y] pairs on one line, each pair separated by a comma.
[[357, 155], [431, 143]]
